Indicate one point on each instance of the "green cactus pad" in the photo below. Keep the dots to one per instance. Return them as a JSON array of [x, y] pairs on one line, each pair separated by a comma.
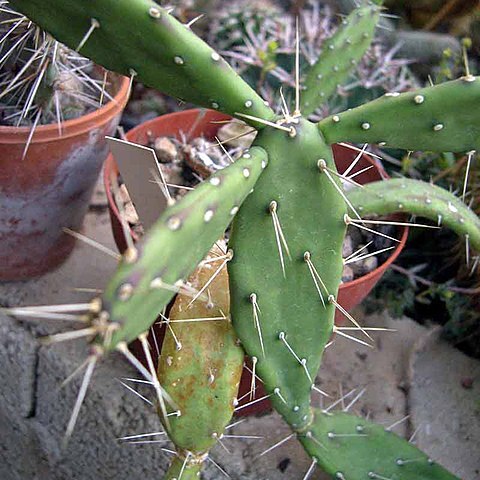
[[351, 448], [139, 37], [175, 245], [418, 198], [201, 363], [339, 56], [184, 470], [443, 118], [310, 212]]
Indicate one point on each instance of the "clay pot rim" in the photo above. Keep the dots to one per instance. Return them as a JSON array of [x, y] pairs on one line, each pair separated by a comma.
[[111, 168], [75, 126]]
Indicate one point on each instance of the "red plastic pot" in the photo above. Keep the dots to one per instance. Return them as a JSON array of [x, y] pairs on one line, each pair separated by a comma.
[[51, 187], [350, 293]]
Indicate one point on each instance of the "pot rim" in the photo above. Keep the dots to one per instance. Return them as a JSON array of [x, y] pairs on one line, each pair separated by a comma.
[[111, 168], [75, 126]]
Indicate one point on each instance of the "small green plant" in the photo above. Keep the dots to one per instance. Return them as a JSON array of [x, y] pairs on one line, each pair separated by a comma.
[[289, 215]]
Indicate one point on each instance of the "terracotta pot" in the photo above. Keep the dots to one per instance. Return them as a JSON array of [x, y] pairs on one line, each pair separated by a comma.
[[51, 187], [350, 293]]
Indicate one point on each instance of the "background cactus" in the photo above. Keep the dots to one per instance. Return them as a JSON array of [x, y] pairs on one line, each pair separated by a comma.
[[259, 42], [287, 235]]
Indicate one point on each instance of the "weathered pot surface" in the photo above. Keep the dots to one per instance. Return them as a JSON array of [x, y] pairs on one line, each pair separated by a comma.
[[50, 188]]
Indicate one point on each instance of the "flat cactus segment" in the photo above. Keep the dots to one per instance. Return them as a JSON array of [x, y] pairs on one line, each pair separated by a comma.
[[182, 469], [339, 56], [280, 319], [351, 448], [175, 245], [443, 118], [137, 37], [201, 363], [418, 198]]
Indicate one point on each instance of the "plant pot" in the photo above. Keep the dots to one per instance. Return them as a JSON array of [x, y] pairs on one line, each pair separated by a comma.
[[350, 293], [50, 188]]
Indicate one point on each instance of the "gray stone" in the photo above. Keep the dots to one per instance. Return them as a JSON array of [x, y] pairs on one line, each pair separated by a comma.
[[444, 405], [18, 357]]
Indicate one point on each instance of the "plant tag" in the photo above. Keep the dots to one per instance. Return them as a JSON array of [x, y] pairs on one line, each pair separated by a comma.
[[142, 175]]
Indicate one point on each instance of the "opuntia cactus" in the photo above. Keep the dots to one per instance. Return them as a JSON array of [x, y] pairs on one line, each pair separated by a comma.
[[200, 367], [289, 209]]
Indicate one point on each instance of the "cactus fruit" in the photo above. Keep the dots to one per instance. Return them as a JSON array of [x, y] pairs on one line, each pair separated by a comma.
[[174, 246], [439, 119], [352, 39], [418, 198], [351, 448], [149, 44], [200, 365]]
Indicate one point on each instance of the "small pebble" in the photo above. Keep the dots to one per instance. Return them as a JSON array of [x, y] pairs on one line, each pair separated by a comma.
[[165, 149]]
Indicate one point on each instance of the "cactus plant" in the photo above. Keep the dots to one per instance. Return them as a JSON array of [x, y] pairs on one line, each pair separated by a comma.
[[259, 41], [289, 215], [200, 367]]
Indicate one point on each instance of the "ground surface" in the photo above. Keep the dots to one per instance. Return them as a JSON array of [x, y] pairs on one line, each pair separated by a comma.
[[409, 373]]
